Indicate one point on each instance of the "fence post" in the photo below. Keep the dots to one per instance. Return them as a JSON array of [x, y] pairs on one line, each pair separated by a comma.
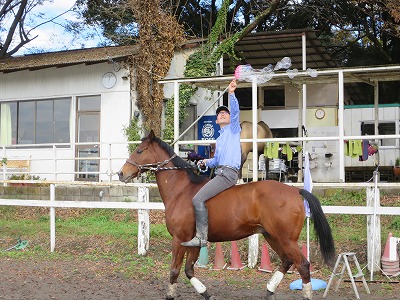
[[253, 250], [52, 219], [373, 231], [143, 222]]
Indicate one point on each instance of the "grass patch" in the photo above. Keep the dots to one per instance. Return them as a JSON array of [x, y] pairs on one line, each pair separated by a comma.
[[111, 234]]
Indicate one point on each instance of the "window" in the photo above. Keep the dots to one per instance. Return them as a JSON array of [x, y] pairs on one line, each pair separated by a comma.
[[384, 128], [88, 131], [35, 122], [274, 96]]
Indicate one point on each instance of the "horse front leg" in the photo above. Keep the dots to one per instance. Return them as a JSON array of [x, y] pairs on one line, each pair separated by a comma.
[[191, 258], [178, 253]]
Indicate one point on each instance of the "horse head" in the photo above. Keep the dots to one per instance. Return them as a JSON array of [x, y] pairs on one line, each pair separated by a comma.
[[142, 159]]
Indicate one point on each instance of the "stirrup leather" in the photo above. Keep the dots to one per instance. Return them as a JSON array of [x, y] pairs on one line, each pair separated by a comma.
[[195, 242]]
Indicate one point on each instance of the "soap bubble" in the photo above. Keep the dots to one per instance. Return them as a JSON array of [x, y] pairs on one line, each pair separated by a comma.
[[312, 72], [292, 73], [284, 63]]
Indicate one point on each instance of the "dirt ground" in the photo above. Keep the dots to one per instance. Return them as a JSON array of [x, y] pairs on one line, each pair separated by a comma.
[[76, 278], [76, 273]]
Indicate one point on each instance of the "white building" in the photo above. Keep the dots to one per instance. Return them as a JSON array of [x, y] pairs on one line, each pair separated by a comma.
[[64, 112]]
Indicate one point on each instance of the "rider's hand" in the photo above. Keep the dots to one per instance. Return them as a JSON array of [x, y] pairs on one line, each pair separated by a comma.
[[232, 86], [201, 164]]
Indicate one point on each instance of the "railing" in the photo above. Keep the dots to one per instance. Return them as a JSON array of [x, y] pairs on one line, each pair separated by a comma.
[[58, 162]]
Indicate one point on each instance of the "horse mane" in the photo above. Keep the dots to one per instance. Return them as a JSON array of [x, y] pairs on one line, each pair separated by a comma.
[[179, 162]]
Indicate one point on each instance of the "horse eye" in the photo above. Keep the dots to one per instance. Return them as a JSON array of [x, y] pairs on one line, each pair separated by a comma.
[[138, 151]]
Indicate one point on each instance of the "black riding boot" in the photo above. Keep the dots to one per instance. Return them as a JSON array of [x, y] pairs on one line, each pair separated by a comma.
[[201, 214]]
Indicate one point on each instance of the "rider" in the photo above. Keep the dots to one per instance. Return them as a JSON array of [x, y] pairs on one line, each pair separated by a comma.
[[227, 159]]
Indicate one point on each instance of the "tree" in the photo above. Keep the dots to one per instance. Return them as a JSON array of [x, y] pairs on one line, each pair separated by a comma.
[[16, 24], [15, 12]]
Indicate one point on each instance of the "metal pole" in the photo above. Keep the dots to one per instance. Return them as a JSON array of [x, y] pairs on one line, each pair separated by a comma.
[[212, 104]]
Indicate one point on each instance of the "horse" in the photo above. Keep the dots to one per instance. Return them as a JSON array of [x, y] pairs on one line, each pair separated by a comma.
[[266, 207], [263, 132]]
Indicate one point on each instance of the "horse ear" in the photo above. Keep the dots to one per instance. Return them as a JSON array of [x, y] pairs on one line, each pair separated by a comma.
[[151, 135]]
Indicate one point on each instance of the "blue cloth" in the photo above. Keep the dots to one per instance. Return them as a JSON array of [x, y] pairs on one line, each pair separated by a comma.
[[227, 149], [317, 284], [364, 155]]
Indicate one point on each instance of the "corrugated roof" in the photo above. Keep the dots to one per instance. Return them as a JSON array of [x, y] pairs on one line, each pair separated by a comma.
[[264, 48], [66, 58]]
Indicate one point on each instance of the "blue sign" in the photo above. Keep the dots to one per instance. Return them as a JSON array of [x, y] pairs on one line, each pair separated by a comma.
[[207, 130]]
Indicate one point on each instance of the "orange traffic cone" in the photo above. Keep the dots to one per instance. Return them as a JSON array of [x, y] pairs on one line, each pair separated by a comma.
[[386, 252], [390, 267], [265, 265], [219, 262], [236, 263]]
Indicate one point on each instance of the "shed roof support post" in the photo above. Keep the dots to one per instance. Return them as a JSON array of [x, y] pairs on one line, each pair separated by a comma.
[[254, 95], [376, 117], [176, 115], [341, 127]]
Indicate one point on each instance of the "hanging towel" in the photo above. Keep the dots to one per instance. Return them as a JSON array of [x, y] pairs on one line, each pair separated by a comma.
[[348, 149], [286, 149], [271, 150], [357, 148]]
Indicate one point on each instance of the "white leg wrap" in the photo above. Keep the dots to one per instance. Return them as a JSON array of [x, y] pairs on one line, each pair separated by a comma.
[[307, 290], [171, 290], [274, 281], [200, 288]]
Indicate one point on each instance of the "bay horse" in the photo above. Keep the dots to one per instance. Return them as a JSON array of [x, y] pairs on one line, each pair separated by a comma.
[[263, 132], [268, 207]]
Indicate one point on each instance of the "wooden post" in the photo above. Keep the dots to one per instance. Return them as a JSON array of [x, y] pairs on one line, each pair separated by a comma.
[[253, 251], [373, 231], [143, 222]]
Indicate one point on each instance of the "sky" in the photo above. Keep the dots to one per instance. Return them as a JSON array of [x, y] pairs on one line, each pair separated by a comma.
[[52, 36]]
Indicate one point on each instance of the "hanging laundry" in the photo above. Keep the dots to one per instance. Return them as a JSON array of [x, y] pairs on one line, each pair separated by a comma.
[[364, 156], [271, 150], [353, 148], [286, 149]]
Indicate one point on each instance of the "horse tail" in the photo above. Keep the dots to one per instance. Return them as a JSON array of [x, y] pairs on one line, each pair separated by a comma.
[[321, 227]]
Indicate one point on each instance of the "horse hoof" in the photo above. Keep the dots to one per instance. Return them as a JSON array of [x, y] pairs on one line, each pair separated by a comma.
[[207, 296], [270, 295]]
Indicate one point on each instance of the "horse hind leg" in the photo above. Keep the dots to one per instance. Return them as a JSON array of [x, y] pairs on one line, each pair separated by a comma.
[[191, 257], [304, 270], [302, 265], [289, 256]]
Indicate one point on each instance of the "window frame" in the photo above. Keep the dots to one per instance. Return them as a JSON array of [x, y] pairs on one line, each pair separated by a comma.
[[18, 119]]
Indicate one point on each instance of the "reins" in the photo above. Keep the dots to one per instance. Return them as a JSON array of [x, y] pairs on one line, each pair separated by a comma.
[[157, 166]]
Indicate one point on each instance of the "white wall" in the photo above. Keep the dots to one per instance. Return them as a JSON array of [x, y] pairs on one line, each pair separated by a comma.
[[73, 81], [352, 126]]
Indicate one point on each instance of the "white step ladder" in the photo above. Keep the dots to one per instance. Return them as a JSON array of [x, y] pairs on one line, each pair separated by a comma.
[[343, 261]]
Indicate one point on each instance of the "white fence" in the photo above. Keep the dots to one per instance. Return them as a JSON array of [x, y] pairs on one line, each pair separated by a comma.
[[373, 210]]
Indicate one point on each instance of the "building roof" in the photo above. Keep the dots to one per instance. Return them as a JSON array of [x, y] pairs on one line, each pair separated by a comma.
[[66, 58], [264, 48]]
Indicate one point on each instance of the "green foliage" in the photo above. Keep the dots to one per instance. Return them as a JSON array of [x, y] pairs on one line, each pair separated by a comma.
[[24, 177], [200, 64], [395, 223], [133, 133], [3, 161], [397, 163]]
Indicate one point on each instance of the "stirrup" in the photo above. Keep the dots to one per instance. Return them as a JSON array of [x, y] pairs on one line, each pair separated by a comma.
[[195, 242]]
